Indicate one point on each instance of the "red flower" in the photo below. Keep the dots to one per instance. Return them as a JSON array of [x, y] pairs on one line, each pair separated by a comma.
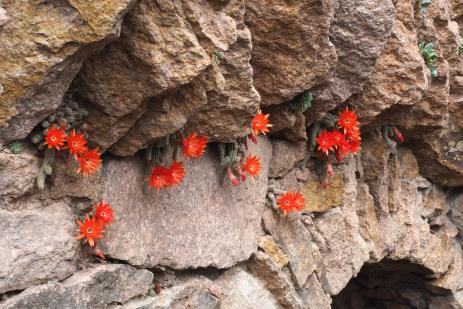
[[354, 146], [232, 177], [338, 139], [291, 201], [398, 135], [160, 177], [90, 229], [347, 120], [55, 137], [252, 166], [325, 142], [177, 172], [90, 162], [260, 124], [76, 144], [104, 213], [194, 145], [354, 134]]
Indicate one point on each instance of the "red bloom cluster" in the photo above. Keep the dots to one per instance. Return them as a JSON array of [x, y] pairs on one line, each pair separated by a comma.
[[92, 227], [291, 201], [193, 146], [89, 160], [163, 177], [341, 142]]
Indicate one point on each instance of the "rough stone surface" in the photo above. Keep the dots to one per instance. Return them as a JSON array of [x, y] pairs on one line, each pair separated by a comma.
[[198, 224], [280, 58], [286, 156], [276, 281], [193, 294], [177, 64], [242, 290], [268, 245], [97, 287], [37, 245], [54, 39], [17, 174], [359, 32]]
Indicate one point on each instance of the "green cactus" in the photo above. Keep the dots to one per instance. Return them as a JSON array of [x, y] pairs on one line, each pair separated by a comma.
[[16, 147], [301, 102], [430, 56], [460, 48], [46, 168], [424, 4]]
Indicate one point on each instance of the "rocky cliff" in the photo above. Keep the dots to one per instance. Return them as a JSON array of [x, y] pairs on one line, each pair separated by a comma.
[[384, 232]]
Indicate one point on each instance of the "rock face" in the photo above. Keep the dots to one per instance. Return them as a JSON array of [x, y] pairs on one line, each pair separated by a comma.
[[199, 224], [54, 39], [281, 57], [98, 287], [37, 245], [384, 231], [176, 65]]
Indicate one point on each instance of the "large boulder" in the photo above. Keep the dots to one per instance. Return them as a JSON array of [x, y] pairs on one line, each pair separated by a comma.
[[44, 45], [38, 244], [177, 64], [200, 223], [97, 287]]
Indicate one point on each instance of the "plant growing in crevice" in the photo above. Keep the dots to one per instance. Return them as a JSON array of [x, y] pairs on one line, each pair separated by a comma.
[[165, 174], [460, 47], [430, 56], [231, 157], [287, 201], [330, 139], [424, 4], [91, 228], [15, 147], [301, 102], [64, 129], [218, 56], [390, 133]]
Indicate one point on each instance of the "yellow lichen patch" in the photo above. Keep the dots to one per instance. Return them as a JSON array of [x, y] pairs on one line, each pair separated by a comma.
[[268, 245], [319, 199]]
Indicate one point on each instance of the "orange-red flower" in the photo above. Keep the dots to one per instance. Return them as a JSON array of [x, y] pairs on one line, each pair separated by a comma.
[[338, 138], [194, 145], [325, 142], [90, 162], [291, 201], [160, 177], [104, 213], [252, 166], [55, 137], [347, 120], [354, 146], [177, 172], [90, 229], [76, 144], [260, 124], [354, 134]]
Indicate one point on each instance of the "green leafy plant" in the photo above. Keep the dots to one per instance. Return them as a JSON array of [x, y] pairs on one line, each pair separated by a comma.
[[301, 102], [430, 57], [16, 147], [424, 4]]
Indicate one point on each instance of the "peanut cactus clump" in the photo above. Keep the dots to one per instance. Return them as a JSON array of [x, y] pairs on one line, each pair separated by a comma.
[[301, 102]]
